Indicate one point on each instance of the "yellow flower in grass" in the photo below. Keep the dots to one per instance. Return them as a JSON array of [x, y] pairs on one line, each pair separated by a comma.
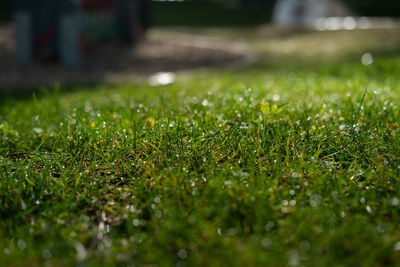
[[150, 122]]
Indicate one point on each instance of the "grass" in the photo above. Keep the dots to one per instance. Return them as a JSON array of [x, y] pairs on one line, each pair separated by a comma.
[[271, 164]]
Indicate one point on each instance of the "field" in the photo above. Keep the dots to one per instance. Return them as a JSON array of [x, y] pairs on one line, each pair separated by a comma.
[[292, 161]]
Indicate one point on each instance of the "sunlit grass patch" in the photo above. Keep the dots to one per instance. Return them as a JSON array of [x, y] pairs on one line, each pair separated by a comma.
[[261, 165]]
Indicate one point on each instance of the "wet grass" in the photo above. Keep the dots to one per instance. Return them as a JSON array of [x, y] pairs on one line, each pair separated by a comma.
[[261, 165]]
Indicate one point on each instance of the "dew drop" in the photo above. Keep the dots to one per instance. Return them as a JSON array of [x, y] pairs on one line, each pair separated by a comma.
[[367, 59]]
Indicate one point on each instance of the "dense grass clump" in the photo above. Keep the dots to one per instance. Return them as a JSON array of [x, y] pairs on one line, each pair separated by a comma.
[[255, 166]]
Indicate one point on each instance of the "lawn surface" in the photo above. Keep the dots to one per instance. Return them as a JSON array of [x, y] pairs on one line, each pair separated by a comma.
[[292, 161]]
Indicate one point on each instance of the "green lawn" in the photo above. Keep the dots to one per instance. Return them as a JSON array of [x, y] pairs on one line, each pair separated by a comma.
[[292, 161]]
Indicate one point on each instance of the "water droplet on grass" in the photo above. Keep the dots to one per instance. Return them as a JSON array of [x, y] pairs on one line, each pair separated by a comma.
[[305, 245], [367, 59], [80, 252], [276, 97], [121, 257], [394, 201], [101, 226], [136, 222], [158, 213], [269, 225], [369, 209], [23, 205], [21, 244], [205, 102], [397, 246], [46, 254], [266, 242], [182, 254], [6, 251], [293, 259]]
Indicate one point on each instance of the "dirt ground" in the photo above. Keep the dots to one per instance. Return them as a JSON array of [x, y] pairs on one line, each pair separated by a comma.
[[160, 51]]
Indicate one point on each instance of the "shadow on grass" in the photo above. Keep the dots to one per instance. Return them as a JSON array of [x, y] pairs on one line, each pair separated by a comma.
[[27, 92]]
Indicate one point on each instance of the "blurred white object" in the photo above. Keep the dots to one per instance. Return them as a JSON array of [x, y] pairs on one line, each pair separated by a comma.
[[324, 15], [162, 78], [302, 13], [367, 59], [351, 23]]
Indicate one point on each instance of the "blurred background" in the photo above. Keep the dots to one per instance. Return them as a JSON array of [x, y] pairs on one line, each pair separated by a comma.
[[90, 40], [230, 12]]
